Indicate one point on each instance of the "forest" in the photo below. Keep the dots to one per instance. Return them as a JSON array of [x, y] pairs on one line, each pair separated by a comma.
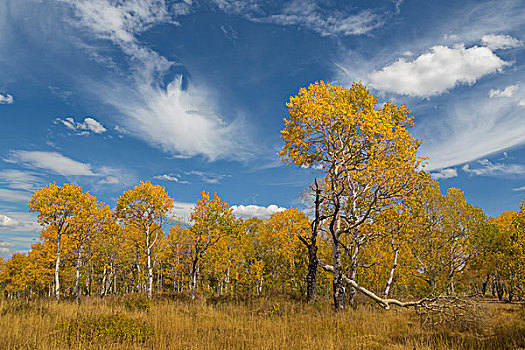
[[378, 233]]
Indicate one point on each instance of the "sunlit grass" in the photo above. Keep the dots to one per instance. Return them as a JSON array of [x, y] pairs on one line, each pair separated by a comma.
[[131, 322]]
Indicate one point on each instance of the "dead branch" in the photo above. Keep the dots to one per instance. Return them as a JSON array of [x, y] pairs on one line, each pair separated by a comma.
[[383, 302]]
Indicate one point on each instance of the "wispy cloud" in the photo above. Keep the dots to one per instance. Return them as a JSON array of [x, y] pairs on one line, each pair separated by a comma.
[[519, 189], [207, 177], [172, 178], [109, 180], [20, 180], [56, 163], [51, 161], [444, 174], [436, 71], [486, 168], [180, 121], [89, 125], [13, 196], [23, 222], [6, 221], [6, 99], [309, 15], [167, 177], [468, 129], [507, 92], [249, 211]]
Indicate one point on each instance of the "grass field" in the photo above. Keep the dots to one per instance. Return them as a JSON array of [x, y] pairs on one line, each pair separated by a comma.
[[133, 322]]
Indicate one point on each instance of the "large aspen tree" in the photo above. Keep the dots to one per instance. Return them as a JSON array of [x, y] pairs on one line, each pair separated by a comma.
[[61, 209], [146, 209], [368, 156]]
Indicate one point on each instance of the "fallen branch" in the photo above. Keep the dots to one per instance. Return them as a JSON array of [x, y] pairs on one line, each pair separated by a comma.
[[383, 302]]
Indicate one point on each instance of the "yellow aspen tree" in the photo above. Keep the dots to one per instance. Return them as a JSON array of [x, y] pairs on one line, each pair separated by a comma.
[[461, 221], [212, 220], [145, 209], [367, 154], [284, 255], [59, 208]]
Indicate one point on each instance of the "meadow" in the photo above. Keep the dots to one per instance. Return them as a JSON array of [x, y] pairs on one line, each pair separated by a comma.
[[135, 322]]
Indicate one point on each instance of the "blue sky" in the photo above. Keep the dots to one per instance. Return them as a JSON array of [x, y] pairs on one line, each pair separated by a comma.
[[191, 95]]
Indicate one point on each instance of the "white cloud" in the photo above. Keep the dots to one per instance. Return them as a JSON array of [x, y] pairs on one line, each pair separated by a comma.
[[249, 211], [521, 103], [120, 21], [25, 222], [52, 161], [172, 178], [7, 195], [507, 92], [487, 168], [307, 14], [180, 121], [445, 174], [182, 210], [167, 177], [437, 71], [85, 127], [519, 189], [238, 7], [6, 99], [499, 41], [89, 124], [6, 221], [4, 250], [109, 180]]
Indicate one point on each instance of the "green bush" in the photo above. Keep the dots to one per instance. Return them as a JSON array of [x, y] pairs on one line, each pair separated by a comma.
[[105, 329]]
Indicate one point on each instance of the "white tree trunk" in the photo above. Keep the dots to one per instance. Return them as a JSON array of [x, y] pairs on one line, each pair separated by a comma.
[[76, 290], [149, 264], [57, 268], [391, 277]]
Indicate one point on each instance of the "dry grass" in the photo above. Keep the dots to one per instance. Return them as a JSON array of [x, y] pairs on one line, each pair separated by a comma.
[[255, 324]]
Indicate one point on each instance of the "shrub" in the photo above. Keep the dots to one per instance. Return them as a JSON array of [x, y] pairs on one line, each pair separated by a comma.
[[136, 302], [104, 328]]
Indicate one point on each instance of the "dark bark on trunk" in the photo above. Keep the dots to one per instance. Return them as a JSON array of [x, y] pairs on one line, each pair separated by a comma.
[[311, 277], [484, 286], [337, 284], [311, 245]]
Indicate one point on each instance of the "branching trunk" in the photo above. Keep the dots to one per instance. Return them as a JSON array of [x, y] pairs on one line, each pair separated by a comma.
[[311, 245]]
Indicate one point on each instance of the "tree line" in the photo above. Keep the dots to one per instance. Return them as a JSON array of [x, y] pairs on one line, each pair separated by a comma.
[[377, 225]]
